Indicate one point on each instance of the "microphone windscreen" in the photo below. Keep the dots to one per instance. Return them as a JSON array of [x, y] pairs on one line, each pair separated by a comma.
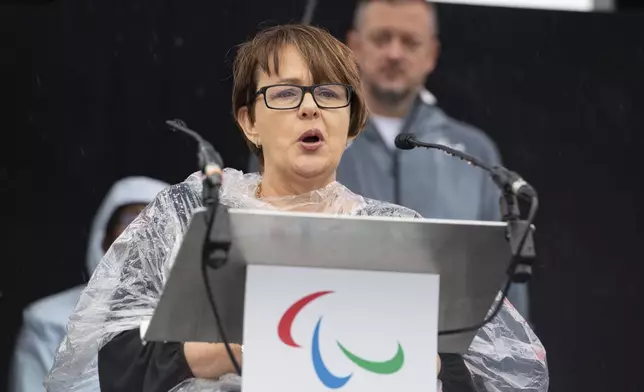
[[404, 141]]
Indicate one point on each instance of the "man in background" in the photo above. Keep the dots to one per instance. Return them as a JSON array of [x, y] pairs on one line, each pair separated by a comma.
[[44, 321], [397, 46]]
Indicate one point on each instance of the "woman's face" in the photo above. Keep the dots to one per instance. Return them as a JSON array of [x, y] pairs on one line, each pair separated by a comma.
[[281, 133]]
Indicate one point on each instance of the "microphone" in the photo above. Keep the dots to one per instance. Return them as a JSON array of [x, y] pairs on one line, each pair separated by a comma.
[[509, 181], [403, 141], [519, 232], [209, 159], [218, 237]]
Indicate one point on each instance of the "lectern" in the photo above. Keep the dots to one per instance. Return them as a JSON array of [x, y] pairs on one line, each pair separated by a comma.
[[336, 302]]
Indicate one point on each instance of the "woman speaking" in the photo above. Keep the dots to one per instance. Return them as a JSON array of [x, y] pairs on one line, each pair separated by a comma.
[[298, 100]]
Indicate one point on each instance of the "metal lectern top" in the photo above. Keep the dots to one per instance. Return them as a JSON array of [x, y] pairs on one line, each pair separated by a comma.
[[471, 258]]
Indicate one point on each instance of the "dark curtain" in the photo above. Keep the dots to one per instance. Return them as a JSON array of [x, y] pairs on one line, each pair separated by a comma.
[[91, 82]]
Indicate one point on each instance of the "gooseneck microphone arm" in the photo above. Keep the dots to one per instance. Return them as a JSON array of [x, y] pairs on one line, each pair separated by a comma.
[[519, 232], [505, 179], [218, 238], [210, 161]]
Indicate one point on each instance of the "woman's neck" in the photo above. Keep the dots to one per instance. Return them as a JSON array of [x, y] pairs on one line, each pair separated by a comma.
[[277, 185]]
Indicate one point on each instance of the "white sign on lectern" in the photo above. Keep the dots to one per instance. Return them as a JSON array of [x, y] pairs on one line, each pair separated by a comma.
[[313, 329]]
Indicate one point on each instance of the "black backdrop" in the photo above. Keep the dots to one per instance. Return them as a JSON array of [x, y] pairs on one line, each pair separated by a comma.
[[560, 93]]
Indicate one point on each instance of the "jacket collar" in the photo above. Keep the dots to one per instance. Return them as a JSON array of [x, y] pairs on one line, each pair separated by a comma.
[[424, 101]]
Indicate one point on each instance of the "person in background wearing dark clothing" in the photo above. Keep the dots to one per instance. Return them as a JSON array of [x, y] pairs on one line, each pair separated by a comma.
[[397, 46]]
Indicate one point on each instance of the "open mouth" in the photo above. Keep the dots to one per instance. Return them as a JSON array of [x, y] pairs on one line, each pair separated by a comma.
[[311, 136], [311, 139]]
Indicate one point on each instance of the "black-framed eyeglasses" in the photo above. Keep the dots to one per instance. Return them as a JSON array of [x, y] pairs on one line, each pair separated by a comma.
[[290, 96]]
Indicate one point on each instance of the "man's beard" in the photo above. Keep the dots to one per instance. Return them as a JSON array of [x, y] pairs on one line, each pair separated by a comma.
[[388, 96]]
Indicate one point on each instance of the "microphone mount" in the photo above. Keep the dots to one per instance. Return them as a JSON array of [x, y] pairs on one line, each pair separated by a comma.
[[218, 241], [519, 231]]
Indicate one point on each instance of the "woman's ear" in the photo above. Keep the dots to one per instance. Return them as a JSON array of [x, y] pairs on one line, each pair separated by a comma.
[[247, 125]]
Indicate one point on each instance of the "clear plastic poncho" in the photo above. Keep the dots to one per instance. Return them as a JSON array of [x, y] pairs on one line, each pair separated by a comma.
[[504, 356]]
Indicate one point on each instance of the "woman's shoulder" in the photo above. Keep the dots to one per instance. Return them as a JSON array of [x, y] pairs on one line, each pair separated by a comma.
[[374, 207], [191, 186], [235, 186], [176, 201]]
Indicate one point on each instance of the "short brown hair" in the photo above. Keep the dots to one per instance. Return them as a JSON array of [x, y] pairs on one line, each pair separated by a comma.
[[330, 61]]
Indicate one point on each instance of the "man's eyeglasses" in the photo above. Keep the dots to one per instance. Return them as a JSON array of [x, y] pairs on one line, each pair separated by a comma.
[[290, 96]]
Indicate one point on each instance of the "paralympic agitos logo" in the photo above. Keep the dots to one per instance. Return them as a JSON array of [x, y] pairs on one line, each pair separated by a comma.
[[327, 378]]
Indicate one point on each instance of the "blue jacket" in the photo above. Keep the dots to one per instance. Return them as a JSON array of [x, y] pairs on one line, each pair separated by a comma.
[[431, 182]]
